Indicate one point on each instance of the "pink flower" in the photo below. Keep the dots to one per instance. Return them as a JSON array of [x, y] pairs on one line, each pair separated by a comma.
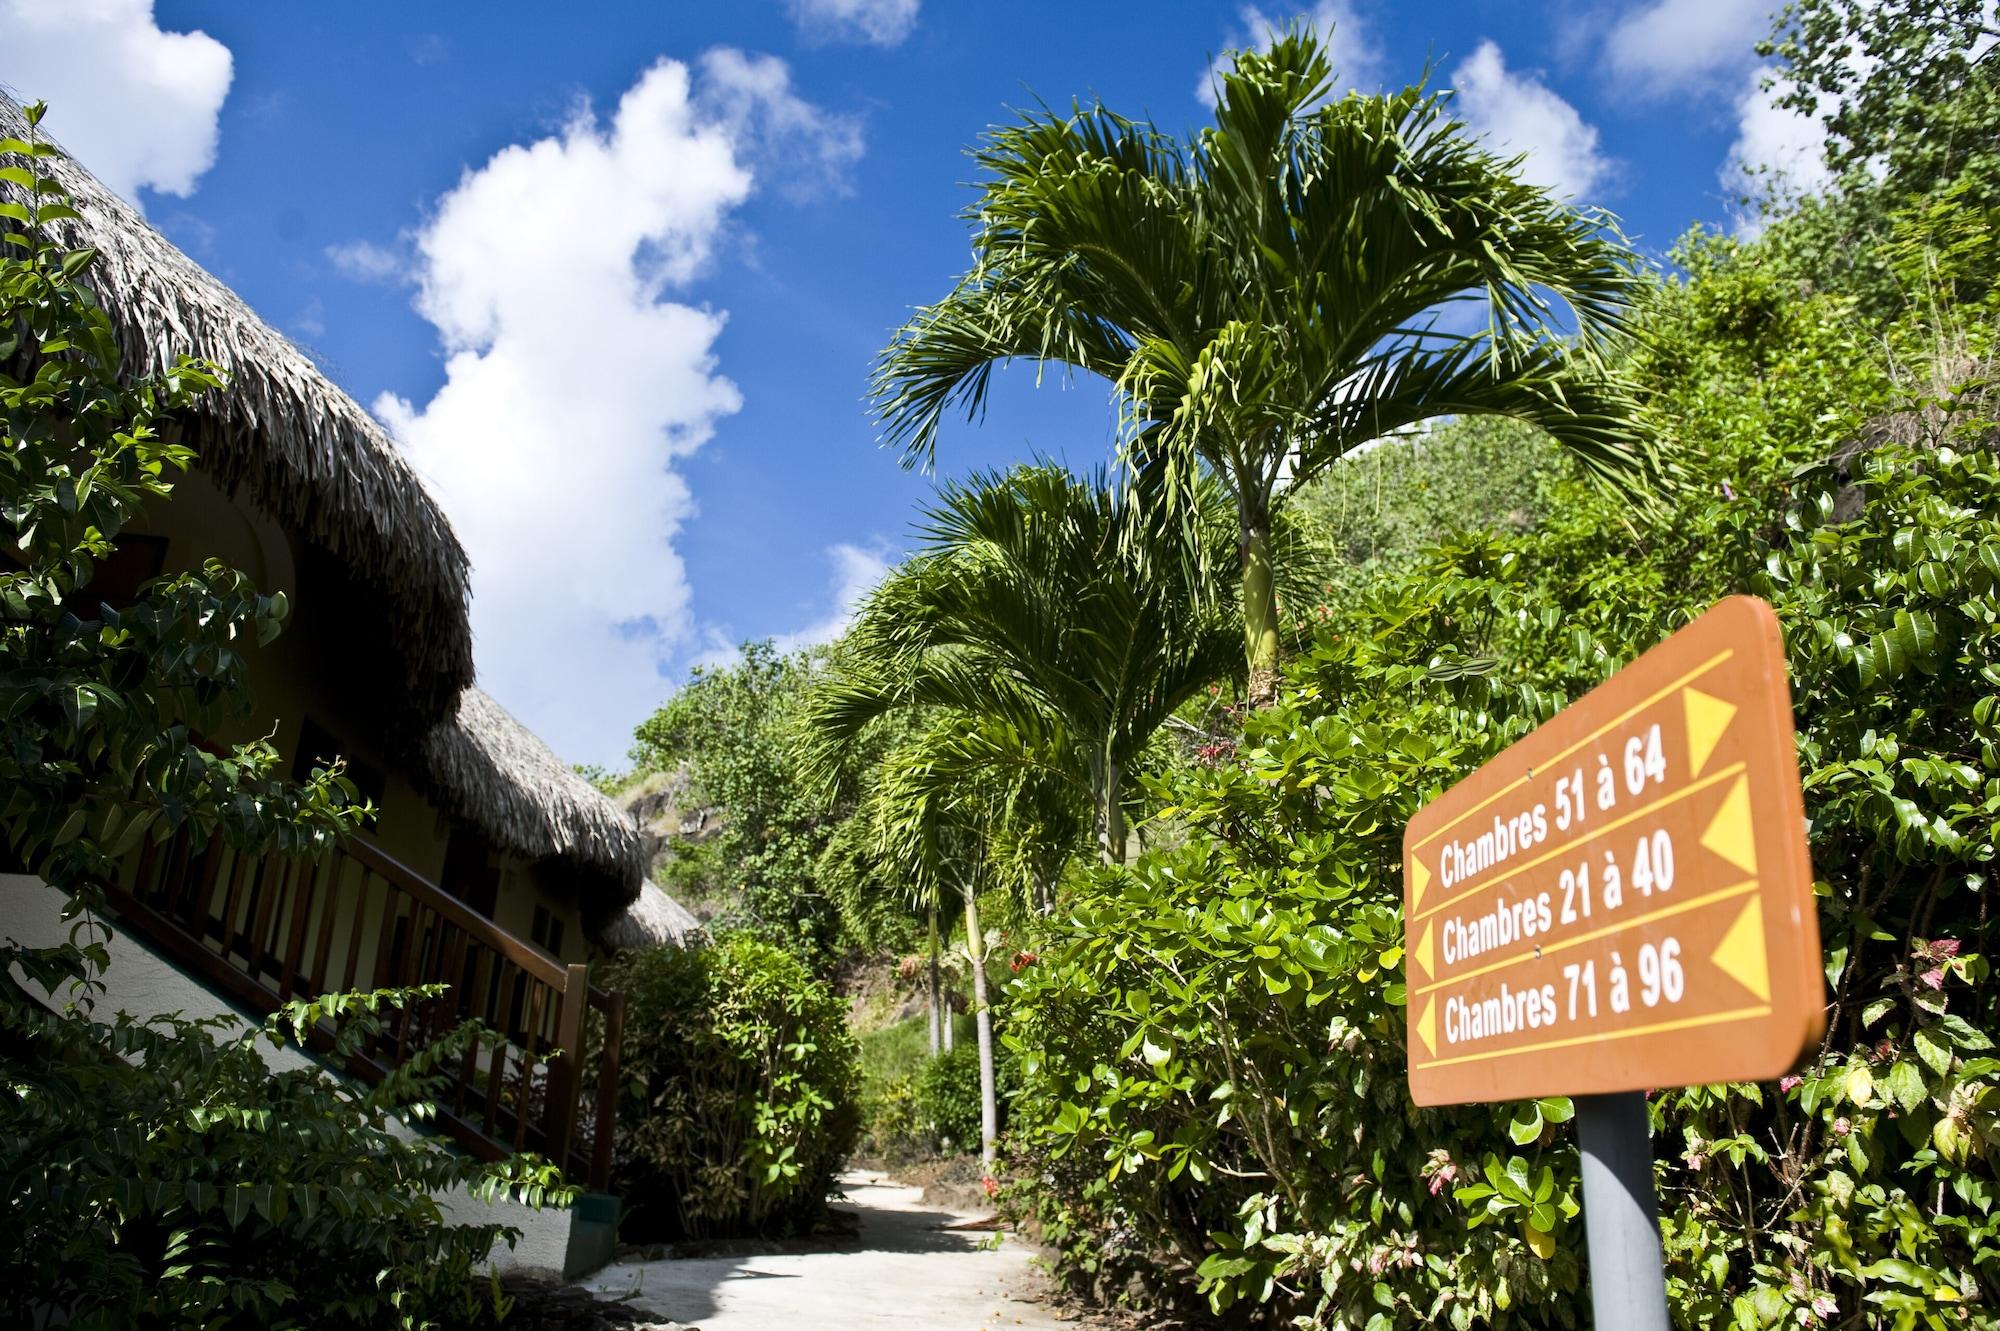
[[991, 1184], [1841, 1127], [1790, 1083]]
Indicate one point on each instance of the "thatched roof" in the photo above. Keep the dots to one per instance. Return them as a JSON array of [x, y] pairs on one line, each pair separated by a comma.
[[283, 433], [484, 766], [654, 920]]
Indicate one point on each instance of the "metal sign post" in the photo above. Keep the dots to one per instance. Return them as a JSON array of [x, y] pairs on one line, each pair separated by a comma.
[[1621, 1215], [1622, 901]]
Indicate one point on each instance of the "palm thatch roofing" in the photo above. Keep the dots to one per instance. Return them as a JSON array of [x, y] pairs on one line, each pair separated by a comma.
[[286, 436], [486, 767], [654, 920], [283, 433]]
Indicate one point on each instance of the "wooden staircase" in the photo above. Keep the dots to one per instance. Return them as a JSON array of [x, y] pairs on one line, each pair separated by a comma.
[[266, 930]]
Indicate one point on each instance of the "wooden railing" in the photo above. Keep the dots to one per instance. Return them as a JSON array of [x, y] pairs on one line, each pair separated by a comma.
[[266, 930]]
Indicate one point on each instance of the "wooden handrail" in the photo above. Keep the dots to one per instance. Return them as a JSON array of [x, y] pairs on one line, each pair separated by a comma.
[[274, 940], [523, 954]]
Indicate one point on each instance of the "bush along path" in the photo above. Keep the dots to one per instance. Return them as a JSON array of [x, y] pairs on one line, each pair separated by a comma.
[[908, 1264]]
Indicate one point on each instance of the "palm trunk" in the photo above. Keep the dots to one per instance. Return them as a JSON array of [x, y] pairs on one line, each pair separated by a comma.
[[989, 1098], [937, 1020], [946, 1023], [1260, 607], [1110, 813]]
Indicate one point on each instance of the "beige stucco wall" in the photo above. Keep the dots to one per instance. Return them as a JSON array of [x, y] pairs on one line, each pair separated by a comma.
[[289, 683]]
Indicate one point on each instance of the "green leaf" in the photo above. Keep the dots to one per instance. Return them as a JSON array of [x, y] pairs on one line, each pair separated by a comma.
[[1935, 1054], [1906, 1085]]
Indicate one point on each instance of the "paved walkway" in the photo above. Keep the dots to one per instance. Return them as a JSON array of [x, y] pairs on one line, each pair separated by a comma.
[[903, 1269]]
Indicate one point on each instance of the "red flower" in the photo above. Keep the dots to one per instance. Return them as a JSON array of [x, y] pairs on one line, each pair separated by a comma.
[[991, 1184], [1023, 960]]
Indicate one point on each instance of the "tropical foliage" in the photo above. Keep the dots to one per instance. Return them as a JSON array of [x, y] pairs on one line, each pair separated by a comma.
[[1212, 1039], [1309, 274], [738, 1085], [1047, 608], [737, 729], [161, 1173]]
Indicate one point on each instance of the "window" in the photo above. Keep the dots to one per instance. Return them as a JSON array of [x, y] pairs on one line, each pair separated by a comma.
[[115, 580], [548, 931], [469, 871]]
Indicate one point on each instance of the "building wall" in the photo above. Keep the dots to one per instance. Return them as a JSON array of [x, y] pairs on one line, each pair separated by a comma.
[[289, 684]]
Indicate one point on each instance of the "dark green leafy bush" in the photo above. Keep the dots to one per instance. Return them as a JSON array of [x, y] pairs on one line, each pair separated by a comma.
[[161, 1174], [948, 1096], [1211, 1046], [738, 1090]]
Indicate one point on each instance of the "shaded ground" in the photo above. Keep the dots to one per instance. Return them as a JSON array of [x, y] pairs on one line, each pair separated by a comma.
[[903, 1268]]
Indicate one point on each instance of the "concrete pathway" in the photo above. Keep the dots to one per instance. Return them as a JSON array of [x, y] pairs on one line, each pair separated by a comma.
[[903, 1269]]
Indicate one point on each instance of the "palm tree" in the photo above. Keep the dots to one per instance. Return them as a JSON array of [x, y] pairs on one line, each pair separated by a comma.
[[1043, 605], [946, 818], [1274, 292]]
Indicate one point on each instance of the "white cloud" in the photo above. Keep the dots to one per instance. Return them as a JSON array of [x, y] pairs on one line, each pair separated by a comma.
[[804, 150], [1356, 55], [856, 571], [1673, 46], [574, 382], [136, 105], [365, 261], [1517, 113], [1777, 151], [878, 22]]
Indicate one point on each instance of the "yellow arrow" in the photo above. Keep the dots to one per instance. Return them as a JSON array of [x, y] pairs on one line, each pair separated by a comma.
[[1426, 1027], [1707, 718], [1740, 954], [1731, 834], [1420, 878], [1425, 954]]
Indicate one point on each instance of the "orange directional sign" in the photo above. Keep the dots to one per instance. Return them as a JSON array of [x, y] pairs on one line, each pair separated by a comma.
[[1622, 900]]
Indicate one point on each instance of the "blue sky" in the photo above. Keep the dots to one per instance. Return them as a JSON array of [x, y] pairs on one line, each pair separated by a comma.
[[614, 273]]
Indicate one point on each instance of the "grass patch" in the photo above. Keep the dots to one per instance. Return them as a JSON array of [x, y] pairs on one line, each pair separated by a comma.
[[889, 1053]]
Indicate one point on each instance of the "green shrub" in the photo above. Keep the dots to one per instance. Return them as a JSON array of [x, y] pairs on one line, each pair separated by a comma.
[[159, 1173], [738, 1090], [948, 1095], [1211, 1044], [893, 1121], [892, 1058]]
